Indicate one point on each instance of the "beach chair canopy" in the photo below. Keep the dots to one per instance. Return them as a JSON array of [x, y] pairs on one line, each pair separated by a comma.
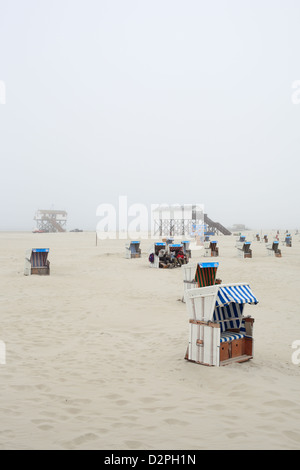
[[175, 246], [206, 274], [223, 304], [229, 305]]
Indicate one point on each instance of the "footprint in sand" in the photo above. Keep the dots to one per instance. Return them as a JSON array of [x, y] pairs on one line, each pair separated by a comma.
[[134, 444], [148, 399], [113, 396], [169, 408], [280, 404], [122, 402], [175, 421], [7, 433], [73, 411], [45, 427], [43, 387], [81, 440], [235, 435], [294, 436], [38, 421]]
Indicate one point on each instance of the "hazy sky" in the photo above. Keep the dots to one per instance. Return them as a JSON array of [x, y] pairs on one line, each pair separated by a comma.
[[164, 101]]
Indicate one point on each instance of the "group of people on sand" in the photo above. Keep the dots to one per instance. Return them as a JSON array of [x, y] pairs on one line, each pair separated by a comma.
[[172, 259]]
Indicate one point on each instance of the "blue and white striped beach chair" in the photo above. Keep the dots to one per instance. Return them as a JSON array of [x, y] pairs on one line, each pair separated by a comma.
[[220, 333]]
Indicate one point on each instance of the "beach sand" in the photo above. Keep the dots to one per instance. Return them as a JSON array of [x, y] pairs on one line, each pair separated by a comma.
[[95, 352]]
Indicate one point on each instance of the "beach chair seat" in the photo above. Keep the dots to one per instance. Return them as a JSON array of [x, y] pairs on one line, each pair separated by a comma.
[[230, 336]]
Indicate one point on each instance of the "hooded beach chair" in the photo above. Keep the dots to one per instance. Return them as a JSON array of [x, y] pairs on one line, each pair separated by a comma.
[[240, 242], [219, 332], [205, 274], [214, 249], [257, 237], [243, 248], [266, 238], [36, 262], [199, 275], [288, 240], [174, 249], [273, 249], [154, 254], [211, 249], [241, 239], [132, 250], [186, 249]]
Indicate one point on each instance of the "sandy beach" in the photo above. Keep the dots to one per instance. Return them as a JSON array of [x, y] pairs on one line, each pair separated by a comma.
[[95, 351]]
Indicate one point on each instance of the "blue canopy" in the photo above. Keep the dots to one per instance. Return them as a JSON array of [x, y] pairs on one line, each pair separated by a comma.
[[208, 265], [241, 294], [230, 305]]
